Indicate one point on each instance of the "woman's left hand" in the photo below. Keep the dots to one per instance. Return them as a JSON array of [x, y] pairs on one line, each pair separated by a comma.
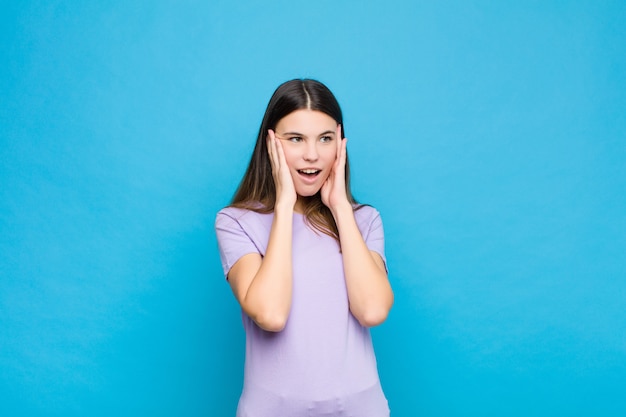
[[334, 189]]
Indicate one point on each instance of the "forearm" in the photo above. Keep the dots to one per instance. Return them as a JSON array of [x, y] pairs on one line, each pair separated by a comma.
[[369, 292], [268, 298]]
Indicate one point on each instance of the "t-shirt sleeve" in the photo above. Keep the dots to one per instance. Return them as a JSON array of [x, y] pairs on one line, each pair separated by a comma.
[[232, 239], [374, 234]]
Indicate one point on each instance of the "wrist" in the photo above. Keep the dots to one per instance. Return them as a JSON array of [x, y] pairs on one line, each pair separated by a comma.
[[339, 210], [285, 208]]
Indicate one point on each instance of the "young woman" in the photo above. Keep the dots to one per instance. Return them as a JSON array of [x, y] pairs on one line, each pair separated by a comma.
[[307, 265]]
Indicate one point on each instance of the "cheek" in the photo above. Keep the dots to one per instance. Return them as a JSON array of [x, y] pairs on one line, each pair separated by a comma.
[[289, 156], [331, 155]]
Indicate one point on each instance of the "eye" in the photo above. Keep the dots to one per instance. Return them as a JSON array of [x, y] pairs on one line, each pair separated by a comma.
[[295, 139], [325, 139]]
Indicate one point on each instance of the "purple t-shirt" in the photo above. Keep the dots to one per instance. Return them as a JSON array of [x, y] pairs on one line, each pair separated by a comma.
[[322, 363]]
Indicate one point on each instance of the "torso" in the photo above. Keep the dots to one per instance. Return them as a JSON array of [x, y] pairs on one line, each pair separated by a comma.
[[323, 358]]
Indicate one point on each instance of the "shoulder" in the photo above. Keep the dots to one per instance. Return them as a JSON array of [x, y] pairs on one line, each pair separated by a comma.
[[238, 213], [371, 228], [242, 218], [368, 220], [240, 232], [364, 213], [232, 213], [365, 209]]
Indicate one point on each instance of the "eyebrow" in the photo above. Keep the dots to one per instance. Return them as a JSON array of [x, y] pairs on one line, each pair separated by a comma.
[[301, 134]]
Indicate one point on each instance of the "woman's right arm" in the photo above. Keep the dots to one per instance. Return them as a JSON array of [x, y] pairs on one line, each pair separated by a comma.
[[263, 285]]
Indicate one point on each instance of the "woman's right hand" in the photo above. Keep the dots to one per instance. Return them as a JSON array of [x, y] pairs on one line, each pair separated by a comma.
[[285, 190]]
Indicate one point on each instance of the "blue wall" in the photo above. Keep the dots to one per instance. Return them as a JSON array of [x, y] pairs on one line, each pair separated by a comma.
[[491, 136]]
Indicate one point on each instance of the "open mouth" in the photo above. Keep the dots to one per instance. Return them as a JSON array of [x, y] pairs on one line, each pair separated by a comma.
[[311, 173]]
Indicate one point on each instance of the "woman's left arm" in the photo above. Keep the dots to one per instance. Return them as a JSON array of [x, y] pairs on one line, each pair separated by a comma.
[[369, 292]]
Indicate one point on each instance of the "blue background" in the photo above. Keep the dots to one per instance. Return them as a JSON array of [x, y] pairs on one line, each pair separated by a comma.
[[490, 135]]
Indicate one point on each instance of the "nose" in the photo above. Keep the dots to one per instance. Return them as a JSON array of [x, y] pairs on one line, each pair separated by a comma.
[[310, 153]]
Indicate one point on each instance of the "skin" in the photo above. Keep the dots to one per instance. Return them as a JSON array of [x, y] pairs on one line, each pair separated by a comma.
[[308, 139]]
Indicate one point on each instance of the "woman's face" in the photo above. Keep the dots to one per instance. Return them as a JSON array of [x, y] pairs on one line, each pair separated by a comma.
[[310, 145]]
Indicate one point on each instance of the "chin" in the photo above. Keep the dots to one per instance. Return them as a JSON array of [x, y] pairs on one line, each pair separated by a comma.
[[308, 192]]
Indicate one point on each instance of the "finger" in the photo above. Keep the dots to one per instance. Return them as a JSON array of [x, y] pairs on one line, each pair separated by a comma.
[[339, 167], [338, 148], [277, 147], [344, 150], [280, 153], [338, 136], [271, 148]]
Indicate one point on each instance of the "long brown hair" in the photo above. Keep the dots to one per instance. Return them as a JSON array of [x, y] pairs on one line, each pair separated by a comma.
[[257, 190]]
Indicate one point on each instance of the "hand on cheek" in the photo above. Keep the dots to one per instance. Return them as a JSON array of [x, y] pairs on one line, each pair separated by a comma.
[[285, 190], [334, 189]]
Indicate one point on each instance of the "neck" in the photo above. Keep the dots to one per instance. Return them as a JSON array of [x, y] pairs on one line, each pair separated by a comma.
[[299, 206]]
